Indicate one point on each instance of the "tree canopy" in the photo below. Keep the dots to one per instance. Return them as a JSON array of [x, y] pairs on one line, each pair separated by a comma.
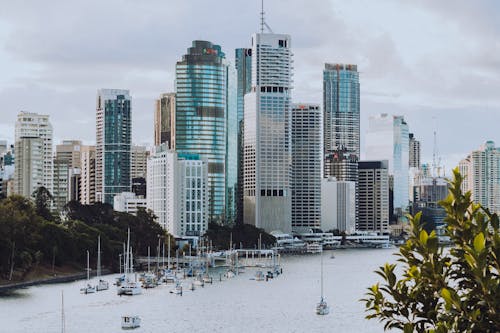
[[245, 234], [441, 290]]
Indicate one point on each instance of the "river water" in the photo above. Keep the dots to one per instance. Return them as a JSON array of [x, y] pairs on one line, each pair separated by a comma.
[[284, 304]]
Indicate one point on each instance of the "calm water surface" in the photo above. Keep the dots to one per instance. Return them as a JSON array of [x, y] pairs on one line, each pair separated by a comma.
[[284, 304]]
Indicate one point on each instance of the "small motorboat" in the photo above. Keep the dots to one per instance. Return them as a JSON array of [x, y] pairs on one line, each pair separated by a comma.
[[177, 290], [322, 308], [259, 276], [230, 274], [88, 289], [102, 285], [130, 322]]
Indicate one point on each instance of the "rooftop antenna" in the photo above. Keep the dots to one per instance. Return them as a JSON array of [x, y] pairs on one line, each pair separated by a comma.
[[262, 21], [436, 161]]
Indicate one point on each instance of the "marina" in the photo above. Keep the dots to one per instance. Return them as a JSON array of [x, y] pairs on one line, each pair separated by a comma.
[[240, 303]]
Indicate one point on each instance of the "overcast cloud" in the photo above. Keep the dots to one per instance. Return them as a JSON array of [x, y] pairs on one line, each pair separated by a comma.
[[435, 62]]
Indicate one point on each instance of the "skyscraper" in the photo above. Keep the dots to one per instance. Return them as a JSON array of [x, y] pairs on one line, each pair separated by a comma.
[[243, 63], [200, 116], [32, 126], [341, 107], [177, 191], [87, 175], [165, 120], [267, 134], [138, 161], [113, 140], [68, 158], [414, 152], [231, 146], [306, 165], [373, 202], [388, 139], [482, 175]]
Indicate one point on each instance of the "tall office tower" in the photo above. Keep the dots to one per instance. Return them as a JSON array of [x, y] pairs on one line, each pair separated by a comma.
[[483, 177], [373, 203], [33, 125], [243, 63], [267, 135], [138, 161], [113, 141], [465, 168], [341, 107], [67, 159], [338, 205], [177, 191], [29, 172], [388, 139], [231, 146], [427, 192], [200, 116], [414, 147], [165, 120], [341, 164], [87, 176], [306, 166]]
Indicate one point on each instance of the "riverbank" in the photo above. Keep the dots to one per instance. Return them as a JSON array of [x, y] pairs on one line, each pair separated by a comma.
[[45, 275]]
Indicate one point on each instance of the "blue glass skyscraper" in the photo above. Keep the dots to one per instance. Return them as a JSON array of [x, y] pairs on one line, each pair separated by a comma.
[[200, 119], [113, 138]]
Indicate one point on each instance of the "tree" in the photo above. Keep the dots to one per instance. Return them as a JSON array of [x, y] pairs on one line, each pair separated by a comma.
[[444, 290], [43, 199]]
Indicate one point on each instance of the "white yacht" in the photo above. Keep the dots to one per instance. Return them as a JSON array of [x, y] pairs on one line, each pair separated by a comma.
[[131, 322], [88, 288], [129, 287], [101, 284]]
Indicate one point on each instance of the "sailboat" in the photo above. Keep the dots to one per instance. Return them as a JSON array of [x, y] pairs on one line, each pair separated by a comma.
[[101, 284], [129, 287], [88, 289], [322, 307]]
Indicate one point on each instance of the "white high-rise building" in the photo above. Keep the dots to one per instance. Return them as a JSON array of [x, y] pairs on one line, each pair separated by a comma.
[[306, 165], [177, 191], [29, 166], [338, 205], [482, 176], [388, 139], [267, 136], [32, 126]]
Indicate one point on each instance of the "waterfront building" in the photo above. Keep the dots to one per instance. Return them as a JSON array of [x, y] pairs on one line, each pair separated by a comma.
[[87, 175], [267, 134], [306, 165], [113, 141], [177, 191], [128, 202], [165, 120], [338, 205], [243, 64], [427, 192], [66, 160], [138, 161], [373, 200], [201, 113], [482, 175], [32, 126], [341, 108], [29, 172], [388, 139]]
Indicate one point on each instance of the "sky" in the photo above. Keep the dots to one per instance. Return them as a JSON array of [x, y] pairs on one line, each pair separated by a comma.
[[437, 63]]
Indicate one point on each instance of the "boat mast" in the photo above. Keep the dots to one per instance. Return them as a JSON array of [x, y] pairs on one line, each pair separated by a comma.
[[321, 276], [63, 319], [98, 256], [127, 258], [88, 266], [168, 249]]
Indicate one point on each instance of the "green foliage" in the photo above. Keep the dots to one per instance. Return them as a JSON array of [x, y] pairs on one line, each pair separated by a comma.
[[43, 199], [246, 234], [28, 237], [444, 290]]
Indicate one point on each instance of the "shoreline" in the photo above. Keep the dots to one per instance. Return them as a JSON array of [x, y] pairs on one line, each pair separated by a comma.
[[51, 280]]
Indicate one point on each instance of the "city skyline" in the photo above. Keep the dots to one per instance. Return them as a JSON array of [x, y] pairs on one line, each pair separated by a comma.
[[59, 77]]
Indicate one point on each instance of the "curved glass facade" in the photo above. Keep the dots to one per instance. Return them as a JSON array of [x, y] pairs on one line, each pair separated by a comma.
[[200, 119]]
